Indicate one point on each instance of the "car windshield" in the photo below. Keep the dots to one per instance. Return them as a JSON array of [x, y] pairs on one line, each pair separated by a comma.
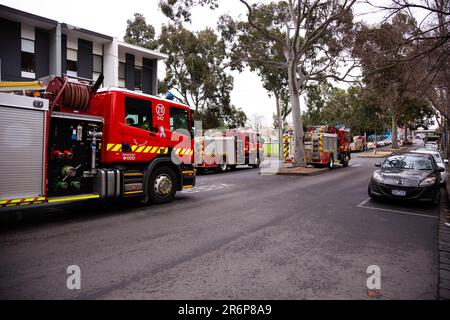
[[408, 162]]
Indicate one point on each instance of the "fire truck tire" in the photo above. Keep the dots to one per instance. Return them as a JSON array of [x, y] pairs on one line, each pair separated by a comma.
[[345, 161], [162, 185], [331, 163], [255, 166], [222, 167]]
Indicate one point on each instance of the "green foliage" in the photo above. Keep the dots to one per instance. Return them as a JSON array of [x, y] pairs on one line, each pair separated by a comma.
[[140, 33], [195, 70], [180, 9]]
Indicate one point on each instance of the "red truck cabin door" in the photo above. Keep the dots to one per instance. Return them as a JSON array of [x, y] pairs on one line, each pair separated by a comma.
[[142, 138]]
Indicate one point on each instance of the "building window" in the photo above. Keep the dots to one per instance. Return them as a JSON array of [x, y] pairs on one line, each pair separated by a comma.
[[28, 60], [97, 66], [121, 75], [138, 113], [138, 78], [71, 65]]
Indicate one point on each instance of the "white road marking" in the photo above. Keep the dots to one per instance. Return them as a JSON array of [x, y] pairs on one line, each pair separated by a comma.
[[355, 165], [208, 188], [362, 205]]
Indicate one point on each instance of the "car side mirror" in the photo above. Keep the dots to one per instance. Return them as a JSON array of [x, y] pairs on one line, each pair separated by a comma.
[[440, 169], [445, 161], [378, 164]]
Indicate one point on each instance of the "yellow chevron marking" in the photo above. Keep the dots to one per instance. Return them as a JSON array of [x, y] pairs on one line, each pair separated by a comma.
[[139, 150], [133, 148], [147, 149], [154, 149], [182, 151], [117, 147], [109, 146], [178, 151]]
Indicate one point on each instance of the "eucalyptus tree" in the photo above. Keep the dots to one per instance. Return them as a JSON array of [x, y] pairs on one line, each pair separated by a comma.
[[311, 34]]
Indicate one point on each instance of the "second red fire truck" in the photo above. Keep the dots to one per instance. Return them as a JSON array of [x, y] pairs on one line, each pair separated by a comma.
[[221, 150], [327, 146]]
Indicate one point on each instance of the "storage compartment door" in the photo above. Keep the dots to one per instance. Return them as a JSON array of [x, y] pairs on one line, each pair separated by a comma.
[[22, 132]]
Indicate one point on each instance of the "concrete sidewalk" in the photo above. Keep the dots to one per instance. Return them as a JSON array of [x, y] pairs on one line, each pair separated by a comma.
[[444, 245], [302, 171]]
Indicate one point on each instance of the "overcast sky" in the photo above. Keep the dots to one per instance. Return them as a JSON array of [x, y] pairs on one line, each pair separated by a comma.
[[109, 17]]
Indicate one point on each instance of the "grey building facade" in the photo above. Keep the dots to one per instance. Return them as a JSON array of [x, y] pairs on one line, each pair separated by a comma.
[[33, 47]]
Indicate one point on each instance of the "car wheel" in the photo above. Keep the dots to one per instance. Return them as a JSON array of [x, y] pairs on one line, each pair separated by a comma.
[[162, 185], [437, 198], [369, 192]]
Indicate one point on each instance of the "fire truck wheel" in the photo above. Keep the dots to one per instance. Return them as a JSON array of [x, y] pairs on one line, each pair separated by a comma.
[[223, 167], [331, 163], [345, 162], [162, 185], [255, 165]]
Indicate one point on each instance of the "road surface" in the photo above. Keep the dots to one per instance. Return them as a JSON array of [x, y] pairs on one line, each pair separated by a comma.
[[237, 235]]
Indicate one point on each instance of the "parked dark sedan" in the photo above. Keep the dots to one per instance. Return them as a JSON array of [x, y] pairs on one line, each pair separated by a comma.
[[408, 176]]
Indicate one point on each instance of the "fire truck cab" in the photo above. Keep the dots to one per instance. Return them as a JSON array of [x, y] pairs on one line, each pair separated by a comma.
[[327, 146], [81, 143]]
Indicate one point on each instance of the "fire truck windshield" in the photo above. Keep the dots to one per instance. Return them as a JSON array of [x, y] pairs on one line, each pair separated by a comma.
[[179, 119]]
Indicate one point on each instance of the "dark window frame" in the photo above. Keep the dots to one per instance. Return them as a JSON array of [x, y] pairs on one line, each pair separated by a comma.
[[33, 59], [138, 85]]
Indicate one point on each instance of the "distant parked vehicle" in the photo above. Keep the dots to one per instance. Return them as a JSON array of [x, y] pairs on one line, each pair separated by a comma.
[[408, 176], [432, 145], [437, 157]]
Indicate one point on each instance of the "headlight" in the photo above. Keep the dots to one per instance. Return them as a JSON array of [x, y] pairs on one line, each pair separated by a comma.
[[377, 177], [428, 182]]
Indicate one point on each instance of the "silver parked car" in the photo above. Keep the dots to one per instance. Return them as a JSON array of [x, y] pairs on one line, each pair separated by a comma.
[[439, 161]]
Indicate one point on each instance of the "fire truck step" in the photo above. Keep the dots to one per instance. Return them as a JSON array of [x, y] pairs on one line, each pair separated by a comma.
[[133, 183]]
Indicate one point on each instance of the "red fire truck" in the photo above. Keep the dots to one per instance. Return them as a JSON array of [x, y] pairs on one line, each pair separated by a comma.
[[80, 143], [223, 149], [327, 146]]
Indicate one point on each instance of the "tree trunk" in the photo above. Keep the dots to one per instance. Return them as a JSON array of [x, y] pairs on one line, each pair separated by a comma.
[[296, 115], [394, 131], [280, 128]]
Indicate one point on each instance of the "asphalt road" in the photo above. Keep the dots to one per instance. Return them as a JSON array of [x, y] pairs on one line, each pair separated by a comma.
[[237, 235]]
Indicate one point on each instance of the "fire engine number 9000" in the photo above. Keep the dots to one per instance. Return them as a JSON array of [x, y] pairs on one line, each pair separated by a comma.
[[128, 156]]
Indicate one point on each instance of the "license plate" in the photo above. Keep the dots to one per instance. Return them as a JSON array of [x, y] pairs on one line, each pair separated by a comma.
[[400, 193]]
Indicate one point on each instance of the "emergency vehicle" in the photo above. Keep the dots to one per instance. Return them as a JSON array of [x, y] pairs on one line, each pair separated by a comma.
[[79, 142], [359, 144], [327, 146], [225, 149]]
